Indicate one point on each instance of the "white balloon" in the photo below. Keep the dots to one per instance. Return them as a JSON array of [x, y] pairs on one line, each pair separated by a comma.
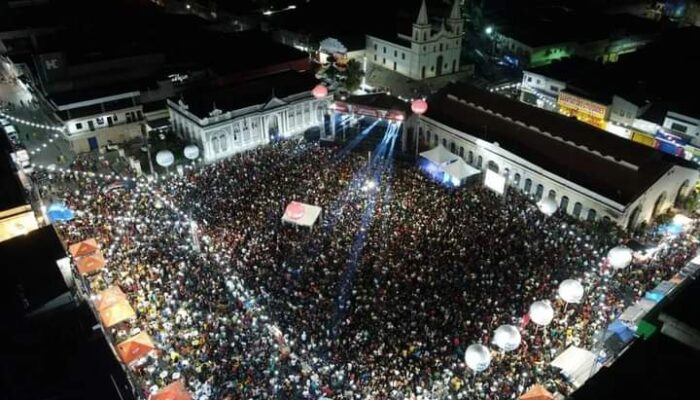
[[191, 152], [571, 291], [507, 337], [165, 158], [477, 357], [541, 312], [620, 257], [547, 206]]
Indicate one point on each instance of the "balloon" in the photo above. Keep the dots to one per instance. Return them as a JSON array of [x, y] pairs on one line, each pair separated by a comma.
[[507, 337], [320, 91], [547, 206], [165, 158], [477, 357], [191, 152], [620, 257], [419, 106], [571, 291], [541, 312]]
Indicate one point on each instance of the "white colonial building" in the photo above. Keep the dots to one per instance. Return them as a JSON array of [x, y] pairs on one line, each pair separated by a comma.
[[590, 174], [227, 120], [425, 52]]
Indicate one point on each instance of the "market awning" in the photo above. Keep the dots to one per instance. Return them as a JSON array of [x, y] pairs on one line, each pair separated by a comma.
[[537, 392], [116, 313], [84, 248], [109, 297], [135, 348], [91, 263], [174, 391]]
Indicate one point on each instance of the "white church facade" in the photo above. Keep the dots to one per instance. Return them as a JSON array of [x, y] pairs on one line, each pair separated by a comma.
[[226, 121], [427, 52]]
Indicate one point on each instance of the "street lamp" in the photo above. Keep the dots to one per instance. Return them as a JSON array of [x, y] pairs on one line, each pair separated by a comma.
[[489, 31]]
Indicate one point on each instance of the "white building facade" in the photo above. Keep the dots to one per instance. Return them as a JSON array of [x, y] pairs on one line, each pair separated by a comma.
[[427, 53], [222, 134], [576, 200]]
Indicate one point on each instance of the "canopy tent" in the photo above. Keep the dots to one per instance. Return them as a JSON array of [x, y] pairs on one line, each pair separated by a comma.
[[91, 263], [109, 297], [439, 155], [135, 348], [84, 248], [59, 212], [116, 313], [576, 364], [174, 391], [634, 313], [537, 392], [302, 214], [458, 171]]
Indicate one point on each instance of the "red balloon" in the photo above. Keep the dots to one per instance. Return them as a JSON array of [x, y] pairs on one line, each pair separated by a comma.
[[419, 106], [320, 91]]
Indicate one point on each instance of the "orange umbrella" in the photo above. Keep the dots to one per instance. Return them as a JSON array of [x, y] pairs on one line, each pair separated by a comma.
[[83, 248], [91, 263], [116, 313], [174, 391], [109, 297], [135, 348], [537, 392]]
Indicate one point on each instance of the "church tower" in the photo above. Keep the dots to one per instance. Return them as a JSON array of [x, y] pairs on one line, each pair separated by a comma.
[[455, 23], [422, 27]]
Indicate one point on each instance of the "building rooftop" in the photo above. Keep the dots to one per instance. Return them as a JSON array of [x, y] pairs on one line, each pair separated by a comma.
[[380, 101], [568, 69], [258, 91], [583, 154]]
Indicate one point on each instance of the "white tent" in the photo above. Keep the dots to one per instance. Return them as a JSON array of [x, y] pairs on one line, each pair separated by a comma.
[[576, 364], [460, 170], [439, 155], [302, 214]]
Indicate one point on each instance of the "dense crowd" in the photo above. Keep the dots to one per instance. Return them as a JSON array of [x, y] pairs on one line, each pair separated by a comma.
[[380, 300]]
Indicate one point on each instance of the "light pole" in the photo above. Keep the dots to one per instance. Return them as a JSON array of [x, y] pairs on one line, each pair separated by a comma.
[[489, 32]]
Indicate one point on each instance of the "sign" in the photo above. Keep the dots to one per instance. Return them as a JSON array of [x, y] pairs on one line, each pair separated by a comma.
[[495, 181], [582, 105]]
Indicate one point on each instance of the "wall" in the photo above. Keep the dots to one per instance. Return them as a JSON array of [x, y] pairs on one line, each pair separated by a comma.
[[684, 124], [622, 111], [117, 134]]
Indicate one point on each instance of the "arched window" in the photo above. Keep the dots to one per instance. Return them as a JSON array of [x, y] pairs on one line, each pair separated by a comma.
[[470, 159], [492, 166], [528, 186], [506, 173], [539, 192], [577, 209], [224, 142], [607, 219], [479, 161], [516, 180], [420, 133], [591, 215], [215, 144], [435, 140], [552, 195], [659, 205], [453, 147], [427, 137], [444, 142], [564, 204], [633, 218], [461, 151]]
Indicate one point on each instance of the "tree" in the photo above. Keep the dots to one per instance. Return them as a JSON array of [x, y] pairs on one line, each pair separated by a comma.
[[353, 74]]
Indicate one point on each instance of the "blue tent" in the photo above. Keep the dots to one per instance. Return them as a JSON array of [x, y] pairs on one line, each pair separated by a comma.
[[621, 330], [58, 212]]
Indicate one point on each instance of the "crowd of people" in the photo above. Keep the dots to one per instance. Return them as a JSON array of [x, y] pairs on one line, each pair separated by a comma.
[[379, 301]]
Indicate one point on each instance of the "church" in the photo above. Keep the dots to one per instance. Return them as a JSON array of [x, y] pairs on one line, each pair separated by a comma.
[[426, 51]]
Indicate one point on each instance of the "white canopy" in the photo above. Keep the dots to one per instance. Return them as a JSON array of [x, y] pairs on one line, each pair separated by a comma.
[[576, 364], [439, 155], [303, 214], [460, 170]]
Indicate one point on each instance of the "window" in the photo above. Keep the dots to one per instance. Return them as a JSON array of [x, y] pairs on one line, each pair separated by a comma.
[[384, 49], [564, 205], [577, 209], [679, 128], [461, 151], [384, 61], [396, 53], [403, 56], [592, 215], [375, 47], [470, 160], [79, 126], [375, 57], [444, 142], [528, 186], [516, 180], [552, 195], [529, 79], [538, 81], [115, 118], [224, 143], [479, 162], [440, 46], [394, 65], [539, 192], [453, 147], [554, 88]]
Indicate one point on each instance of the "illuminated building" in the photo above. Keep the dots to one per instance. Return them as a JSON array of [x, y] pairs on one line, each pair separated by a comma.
[[426, 51], [591, 174], [16, 215], [585, 110], [225, 120]]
